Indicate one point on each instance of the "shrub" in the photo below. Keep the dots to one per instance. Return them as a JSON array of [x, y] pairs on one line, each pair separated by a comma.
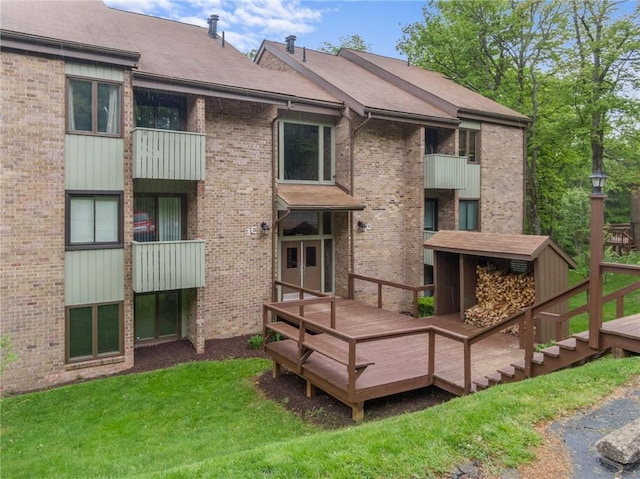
[[425, 306], [256, 341]]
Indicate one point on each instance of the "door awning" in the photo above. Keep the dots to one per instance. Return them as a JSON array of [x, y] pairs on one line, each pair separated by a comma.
[[316, 197]]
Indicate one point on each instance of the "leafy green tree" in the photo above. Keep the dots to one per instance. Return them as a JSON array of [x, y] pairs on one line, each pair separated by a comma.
[[354, 42], [572, 221], [504, 49], [567, 65], [605, 53]]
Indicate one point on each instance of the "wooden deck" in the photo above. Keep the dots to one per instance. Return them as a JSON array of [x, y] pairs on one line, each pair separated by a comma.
[[356, 352], [391, 351]]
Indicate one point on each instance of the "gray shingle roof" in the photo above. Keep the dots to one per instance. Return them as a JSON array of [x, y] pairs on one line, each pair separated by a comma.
[[168, 49], [360, 89], [434, 83]]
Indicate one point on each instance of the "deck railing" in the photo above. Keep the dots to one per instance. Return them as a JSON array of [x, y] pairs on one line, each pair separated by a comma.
[[168, 265], [619, 237], [452, 172], [525, 319], [428, 252], [168, 154], [415, 290]]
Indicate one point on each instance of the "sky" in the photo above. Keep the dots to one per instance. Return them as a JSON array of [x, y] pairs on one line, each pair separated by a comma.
[[247, 22]]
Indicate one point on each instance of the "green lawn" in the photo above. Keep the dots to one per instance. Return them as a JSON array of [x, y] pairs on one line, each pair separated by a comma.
[[208, 420], [121, 426], [612, 282]]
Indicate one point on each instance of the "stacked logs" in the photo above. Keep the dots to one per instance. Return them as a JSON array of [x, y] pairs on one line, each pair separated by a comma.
[[500, 294]]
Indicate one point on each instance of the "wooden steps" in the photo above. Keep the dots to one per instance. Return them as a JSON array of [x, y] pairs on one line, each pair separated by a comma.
[[574, 350]]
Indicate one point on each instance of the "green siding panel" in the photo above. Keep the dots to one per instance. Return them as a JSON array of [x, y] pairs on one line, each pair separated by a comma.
[[93, 276], [93, 163], [450, 172], [94, 71], [171, 155], [168, 265]]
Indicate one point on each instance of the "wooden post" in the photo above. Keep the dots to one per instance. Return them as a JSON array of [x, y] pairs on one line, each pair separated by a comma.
[[333, 313], [415, 303], [467, 367], [350, 292], [595, 272], [528, 344], [380, 295], [311, 389], [432, 354]]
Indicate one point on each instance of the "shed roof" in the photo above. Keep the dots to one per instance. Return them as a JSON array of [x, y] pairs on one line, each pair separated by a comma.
[[496, 245]]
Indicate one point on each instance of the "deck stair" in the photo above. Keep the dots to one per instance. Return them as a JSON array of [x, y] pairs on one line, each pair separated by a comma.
[[562, 354]]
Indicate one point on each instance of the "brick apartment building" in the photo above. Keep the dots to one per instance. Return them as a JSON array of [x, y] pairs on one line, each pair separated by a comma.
[[156, 181]]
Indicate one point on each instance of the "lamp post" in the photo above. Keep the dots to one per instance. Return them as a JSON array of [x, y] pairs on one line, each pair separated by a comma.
[[596, 245]]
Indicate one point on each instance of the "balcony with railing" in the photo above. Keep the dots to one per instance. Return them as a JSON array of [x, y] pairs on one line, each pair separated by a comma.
[[448, 172], [168, 265], [168, 154], [428, 253]]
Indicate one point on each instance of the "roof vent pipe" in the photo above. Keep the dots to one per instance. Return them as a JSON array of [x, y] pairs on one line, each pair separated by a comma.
[[213, 26], [304, 54], [291, 44]]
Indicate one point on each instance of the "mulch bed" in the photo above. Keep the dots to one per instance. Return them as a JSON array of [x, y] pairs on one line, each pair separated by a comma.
[[288, 390]]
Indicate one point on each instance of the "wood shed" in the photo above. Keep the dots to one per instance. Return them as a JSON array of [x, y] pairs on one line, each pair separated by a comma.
[[458, 254]]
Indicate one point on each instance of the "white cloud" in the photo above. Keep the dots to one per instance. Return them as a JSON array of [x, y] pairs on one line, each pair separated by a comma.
[[245, 22]]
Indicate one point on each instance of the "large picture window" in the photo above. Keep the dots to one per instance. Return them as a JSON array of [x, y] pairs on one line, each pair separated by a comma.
[[306, 153], [94, 220], [468, 215], [94, 107], [469, 145], [94, 331]]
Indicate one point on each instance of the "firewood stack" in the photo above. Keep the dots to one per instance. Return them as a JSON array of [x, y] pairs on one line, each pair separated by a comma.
[[500, 294]]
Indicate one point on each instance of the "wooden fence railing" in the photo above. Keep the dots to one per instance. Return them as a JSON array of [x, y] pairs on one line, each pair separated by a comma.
[[380, 282], [525, 319]]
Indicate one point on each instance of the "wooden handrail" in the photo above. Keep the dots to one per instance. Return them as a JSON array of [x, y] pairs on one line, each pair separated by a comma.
[[525, 318], [301, 290], [381, 282]]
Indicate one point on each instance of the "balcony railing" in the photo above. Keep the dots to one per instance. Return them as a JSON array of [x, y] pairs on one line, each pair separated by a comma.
[[448, 172], [168, 265], [168, 155], [428, 253]]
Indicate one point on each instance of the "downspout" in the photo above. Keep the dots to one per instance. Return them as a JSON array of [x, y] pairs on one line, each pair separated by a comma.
[[274, 209], [352, 187]]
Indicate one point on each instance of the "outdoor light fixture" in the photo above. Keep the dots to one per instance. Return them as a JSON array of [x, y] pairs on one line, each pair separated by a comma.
[[265, 228], [598, 179], [362, 226]]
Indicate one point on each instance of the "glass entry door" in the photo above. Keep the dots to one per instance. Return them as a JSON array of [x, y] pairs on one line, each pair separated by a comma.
[[301, 264]]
